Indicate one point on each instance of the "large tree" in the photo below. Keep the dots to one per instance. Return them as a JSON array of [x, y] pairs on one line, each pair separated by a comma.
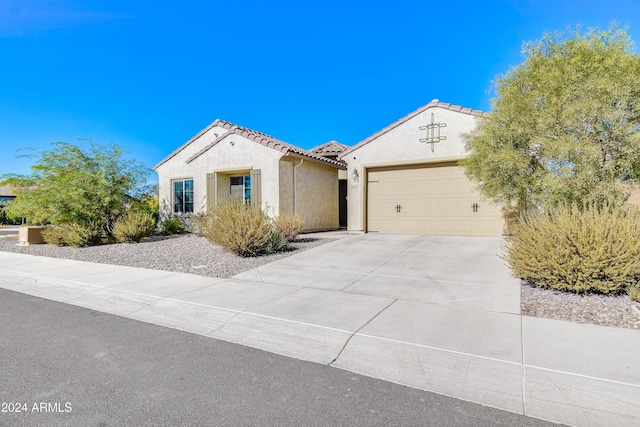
[[73, 184], [565, 124]]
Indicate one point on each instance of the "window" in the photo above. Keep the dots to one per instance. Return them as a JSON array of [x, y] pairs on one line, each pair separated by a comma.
[[183, 196], [241, 188]]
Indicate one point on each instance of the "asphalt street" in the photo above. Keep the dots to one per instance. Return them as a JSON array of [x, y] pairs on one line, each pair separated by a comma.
[[68, 366]]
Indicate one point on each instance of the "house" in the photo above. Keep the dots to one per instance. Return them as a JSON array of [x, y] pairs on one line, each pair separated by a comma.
[[403, 179], [406, 178], [226, 160], [332, 150], [5, 195]]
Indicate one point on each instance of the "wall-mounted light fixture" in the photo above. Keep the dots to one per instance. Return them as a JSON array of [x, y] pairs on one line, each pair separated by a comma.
[[355, 175]]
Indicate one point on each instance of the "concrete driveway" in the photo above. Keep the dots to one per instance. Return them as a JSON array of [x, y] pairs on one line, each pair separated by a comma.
[[437, 313], [452, 270]]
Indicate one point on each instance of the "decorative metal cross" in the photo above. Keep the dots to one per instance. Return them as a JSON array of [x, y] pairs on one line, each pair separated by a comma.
[[433, 132]]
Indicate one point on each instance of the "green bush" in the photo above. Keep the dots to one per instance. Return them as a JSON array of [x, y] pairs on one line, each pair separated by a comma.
[[276, 242], [240, 229], [75, 235], [172, 226], [594, 250], [134, 226], [54, 235], [289, 226]]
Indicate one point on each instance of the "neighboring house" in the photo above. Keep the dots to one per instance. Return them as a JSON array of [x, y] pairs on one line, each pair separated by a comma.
[[406, 178], [5, 195], [225, 160], [332, 150]]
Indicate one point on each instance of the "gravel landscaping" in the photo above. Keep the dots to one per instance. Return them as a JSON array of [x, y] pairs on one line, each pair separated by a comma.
[[606, 310], [188, 253], [183, 253]]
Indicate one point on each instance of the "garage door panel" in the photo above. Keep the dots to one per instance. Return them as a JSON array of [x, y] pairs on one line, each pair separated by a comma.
[[433, 200], [424, 189], [445, 207], [464, 226], [444, 188]]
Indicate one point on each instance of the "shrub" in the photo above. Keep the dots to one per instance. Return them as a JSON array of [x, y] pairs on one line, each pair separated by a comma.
[[73, 234], [240, 229], [289, 225], [196, 223], [54, 235], [582, 251], [511, 216], [634, 292], [276, 242], [134, 226], [172, 226]]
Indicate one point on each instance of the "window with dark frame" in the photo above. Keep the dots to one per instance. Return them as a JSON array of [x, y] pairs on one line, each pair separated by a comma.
[[183, 196], [240, 188]]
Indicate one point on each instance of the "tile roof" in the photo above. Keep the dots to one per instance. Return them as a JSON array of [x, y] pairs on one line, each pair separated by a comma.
[[331, 147], [259, 137], [5, 191], [432, 104]]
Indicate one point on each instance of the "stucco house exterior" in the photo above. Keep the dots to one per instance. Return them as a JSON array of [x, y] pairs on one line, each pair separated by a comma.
[[406, 179], [403, 179], [5, 195], [226, 160]]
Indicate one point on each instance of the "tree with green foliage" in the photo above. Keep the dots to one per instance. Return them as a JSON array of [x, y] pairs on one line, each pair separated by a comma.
[[75, 185], [565, 124]]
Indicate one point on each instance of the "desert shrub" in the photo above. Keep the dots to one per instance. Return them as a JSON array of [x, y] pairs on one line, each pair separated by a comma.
[[275, 243], [196, 223], [54, 235], [583, 251], [634, 292], [74, 234], [134, 226], [511, 216], [172, 226], [240, 229], [289, 225]]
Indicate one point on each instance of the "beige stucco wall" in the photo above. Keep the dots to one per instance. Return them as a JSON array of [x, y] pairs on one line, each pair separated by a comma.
[[234, 152], [316, 193], [286, 184], [176, 168], [401, 145]]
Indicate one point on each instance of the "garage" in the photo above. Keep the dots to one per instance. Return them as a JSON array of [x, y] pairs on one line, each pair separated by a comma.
[[431, 198]]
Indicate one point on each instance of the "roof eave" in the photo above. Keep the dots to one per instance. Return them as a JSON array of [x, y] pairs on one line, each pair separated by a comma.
[[433, 104], [186, 144]]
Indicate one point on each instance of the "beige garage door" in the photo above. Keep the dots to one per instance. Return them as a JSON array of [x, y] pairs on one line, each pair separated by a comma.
[[433, 199]]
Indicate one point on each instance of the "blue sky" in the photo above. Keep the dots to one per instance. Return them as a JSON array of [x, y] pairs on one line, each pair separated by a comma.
[[149, 75]]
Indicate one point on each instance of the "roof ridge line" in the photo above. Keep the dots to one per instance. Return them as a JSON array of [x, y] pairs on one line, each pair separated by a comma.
[[432, 104]]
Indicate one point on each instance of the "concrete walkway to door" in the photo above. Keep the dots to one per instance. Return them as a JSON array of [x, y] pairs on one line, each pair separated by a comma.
[[436, 313]]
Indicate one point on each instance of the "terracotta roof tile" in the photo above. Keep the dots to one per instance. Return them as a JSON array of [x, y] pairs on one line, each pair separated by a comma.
[[186, 144], [331, 147], [432, 104], [258, 137]]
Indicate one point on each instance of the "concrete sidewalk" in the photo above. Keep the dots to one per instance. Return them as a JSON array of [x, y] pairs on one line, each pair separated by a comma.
[[400, 308]]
